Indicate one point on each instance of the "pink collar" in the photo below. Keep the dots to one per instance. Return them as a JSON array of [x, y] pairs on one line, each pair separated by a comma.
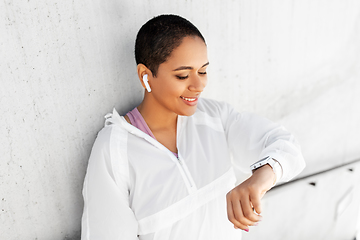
[[137, 120]]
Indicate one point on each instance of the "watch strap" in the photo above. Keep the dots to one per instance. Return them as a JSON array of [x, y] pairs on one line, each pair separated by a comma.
[[275, 165]]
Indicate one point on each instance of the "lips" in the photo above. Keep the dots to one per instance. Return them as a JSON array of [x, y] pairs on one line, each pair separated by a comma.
[[191, 101]]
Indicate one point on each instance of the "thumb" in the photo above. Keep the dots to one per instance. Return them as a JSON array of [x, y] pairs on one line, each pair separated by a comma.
[[256, 203]]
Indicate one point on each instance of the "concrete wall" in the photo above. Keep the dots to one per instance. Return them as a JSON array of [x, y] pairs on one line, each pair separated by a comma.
[[65, 64]]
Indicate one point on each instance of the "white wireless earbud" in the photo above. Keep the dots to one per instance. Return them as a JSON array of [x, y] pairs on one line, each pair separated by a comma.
[[145, 79]]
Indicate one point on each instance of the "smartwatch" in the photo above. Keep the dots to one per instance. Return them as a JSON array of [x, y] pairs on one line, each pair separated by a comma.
[[276, 167]]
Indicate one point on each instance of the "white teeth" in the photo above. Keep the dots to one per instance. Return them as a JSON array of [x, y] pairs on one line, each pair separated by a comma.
[[188, 99]]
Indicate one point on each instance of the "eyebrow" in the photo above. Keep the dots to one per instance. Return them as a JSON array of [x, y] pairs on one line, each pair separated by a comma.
[[188, 67]]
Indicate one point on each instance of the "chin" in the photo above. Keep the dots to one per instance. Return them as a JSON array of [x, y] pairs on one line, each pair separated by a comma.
[[188, 113]]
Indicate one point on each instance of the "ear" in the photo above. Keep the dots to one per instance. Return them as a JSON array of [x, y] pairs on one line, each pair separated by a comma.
[[142, 70]]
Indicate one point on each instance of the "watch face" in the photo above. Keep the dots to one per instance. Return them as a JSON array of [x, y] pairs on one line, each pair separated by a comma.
[[260, 163], [264, 159]]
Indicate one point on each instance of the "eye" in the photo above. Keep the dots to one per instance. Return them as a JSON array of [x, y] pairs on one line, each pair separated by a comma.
[[202, 73], [182, 78]]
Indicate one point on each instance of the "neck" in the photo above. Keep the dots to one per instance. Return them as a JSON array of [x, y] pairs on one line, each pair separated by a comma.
[[157, 117]]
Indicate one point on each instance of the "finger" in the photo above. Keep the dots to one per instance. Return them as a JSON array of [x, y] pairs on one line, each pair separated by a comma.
[[231, 216], [248, 211], [256, 203], [239, 213]]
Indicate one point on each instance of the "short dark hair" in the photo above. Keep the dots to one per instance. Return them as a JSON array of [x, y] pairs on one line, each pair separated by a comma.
[[158, 37]]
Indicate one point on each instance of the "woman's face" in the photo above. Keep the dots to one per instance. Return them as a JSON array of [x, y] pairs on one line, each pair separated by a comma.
[[181, 79]]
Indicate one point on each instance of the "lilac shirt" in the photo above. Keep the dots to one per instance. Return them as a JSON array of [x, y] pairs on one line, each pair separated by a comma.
[[137, 120]]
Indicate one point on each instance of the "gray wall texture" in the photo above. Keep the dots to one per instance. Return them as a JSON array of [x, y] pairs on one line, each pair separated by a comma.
[[65, 64]]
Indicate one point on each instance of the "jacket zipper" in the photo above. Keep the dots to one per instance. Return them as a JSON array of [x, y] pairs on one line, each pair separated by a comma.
[[156, 143], [183, 169], [185, 172]]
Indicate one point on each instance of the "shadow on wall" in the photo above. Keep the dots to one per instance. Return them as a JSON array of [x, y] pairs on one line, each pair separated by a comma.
[[76, 236]]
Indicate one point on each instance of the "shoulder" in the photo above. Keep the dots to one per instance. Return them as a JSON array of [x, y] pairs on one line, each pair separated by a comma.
[[224, 111], [211, 113], [219, 109], [109, 152], [113, 134], [110, 132], [212, 107]]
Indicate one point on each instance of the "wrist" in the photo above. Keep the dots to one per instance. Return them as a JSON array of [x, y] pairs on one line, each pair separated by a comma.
[[267, 172], [272, 163]]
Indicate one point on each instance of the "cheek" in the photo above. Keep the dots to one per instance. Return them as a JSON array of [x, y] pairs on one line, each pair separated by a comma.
[[205, 81], [174, 88], [169, 89]]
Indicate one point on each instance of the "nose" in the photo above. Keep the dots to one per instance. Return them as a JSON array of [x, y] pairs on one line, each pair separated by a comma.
[[197, 83]]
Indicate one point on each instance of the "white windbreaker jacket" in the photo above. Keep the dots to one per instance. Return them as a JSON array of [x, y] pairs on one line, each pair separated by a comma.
[[135, 188]]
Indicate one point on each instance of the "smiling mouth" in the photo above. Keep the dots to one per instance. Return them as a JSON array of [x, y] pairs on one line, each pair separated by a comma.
[[188, 99]]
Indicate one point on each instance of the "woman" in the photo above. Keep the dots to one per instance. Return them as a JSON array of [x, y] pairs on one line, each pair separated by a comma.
[[166, 169]]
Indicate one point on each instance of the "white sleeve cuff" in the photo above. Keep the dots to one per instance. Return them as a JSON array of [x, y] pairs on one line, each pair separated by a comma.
[[278, 171]]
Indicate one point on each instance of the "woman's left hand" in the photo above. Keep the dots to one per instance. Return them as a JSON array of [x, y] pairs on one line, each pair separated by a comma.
[[243, 202]]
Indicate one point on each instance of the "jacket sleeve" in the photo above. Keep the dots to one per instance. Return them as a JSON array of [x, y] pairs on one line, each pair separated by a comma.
[[107, 215], [251, 138]]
